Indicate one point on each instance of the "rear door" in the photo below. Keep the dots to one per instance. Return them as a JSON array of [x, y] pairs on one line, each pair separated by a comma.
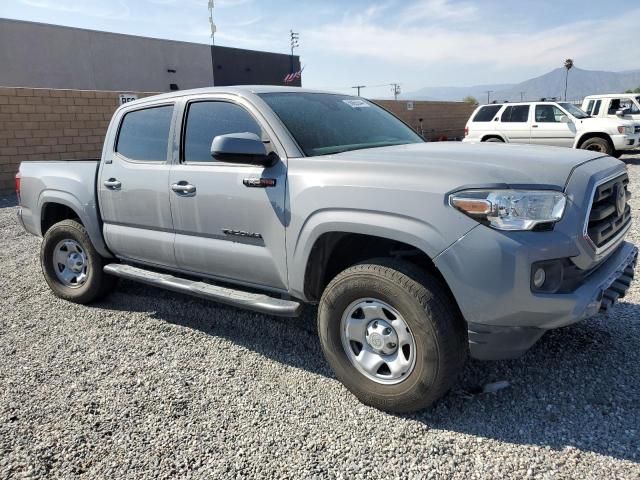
[[231, 225], [514, 123], [133, 187], [549, 128]]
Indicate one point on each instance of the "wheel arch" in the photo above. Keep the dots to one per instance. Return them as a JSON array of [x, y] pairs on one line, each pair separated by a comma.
[[493, 135], [333, 241], [586, 136], [55, 206]]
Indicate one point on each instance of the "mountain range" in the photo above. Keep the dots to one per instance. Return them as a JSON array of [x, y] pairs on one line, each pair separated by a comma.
[[581, 83]]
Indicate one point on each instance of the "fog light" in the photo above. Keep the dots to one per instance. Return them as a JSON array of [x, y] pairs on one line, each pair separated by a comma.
[[539, 277]]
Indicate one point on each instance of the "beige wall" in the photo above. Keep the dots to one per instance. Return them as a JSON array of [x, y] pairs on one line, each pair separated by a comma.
[[439, 119], [45, 124]]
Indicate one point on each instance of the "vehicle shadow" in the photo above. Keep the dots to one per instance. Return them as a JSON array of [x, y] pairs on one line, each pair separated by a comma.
[[7, 201], [576, 386]]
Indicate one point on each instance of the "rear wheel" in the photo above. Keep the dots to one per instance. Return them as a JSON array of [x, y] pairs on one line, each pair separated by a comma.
[[597, 144], [494, 140], [392, 334], [71, 265]]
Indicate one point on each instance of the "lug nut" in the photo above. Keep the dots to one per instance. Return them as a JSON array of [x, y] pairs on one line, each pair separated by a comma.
[[391, 345], [387, 331]]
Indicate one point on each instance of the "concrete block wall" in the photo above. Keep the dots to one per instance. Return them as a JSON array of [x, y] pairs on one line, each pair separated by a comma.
[[439, 119], [47, 124]]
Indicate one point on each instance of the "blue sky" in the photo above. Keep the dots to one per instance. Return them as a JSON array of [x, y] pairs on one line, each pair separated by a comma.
[[416, 43]]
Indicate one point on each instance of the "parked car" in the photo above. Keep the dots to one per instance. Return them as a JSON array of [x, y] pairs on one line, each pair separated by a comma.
[[269, 198], [558, 124], [619, 105]]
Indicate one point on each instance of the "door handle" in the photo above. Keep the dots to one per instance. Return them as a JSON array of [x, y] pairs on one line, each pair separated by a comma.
[[534, 126], [183, 188], [113, 184]]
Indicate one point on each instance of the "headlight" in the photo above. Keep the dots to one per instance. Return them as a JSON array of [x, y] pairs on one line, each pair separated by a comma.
[[625, 130], [511, 209]]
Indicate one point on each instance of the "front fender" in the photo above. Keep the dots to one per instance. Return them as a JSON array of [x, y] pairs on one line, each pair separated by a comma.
[[419, 234]]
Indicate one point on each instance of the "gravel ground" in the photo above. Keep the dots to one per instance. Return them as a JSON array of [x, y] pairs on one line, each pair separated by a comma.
[[149, 384]]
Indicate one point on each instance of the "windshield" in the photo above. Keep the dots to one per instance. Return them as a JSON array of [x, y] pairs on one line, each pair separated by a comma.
[[324, 123], [575, 111]]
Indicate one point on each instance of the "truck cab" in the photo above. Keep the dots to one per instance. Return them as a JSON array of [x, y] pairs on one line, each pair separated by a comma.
[[615, 106]]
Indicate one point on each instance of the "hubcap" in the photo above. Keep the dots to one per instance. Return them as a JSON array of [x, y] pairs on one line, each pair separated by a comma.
[[377, 341], [70, 263]]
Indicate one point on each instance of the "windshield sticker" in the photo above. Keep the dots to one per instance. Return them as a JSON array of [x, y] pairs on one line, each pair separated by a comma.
[[356, 103]]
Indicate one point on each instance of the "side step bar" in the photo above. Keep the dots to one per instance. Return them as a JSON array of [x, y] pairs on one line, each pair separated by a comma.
[[257, 302]]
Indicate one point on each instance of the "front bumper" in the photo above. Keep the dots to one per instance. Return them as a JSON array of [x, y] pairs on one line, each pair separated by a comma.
[[598, 294], [625, 142]]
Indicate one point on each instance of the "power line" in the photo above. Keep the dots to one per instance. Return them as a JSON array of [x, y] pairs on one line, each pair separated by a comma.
[[359, 87]]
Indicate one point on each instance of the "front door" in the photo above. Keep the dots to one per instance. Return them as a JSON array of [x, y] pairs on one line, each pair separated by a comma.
[[133, 188], [229, 219], [552, 126]]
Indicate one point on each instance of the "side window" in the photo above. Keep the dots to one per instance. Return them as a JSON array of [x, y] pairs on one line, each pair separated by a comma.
[[548, 114], [596, 108], [206, 120], [486, 114], [144, 134], [590, 107], [516, 114], [614, 106]]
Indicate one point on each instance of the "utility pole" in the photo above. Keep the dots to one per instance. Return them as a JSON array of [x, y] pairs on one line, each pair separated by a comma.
[[395, 88], [211, 24], [358, 87], [522, 96], [488, 92], [213, 41], [294, 40]]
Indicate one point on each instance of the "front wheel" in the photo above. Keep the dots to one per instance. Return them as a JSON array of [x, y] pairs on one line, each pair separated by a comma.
[[392, 334], [71, 265], [597, 144]]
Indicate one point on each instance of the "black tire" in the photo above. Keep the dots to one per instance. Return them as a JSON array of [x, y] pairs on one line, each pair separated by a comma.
[[597, 144], [617, 153], [427, 308], [97, 284], [494, 140]]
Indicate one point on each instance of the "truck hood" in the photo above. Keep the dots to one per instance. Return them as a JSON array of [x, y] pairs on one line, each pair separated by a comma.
[[456, 164]]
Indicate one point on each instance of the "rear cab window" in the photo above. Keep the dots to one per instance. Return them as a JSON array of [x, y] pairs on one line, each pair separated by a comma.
[[486, 113], [144, 134]]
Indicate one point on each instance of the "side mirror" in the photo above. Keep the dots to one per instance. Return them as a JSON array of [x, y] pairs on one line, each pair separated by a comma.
[[565, 119], [245, 148]]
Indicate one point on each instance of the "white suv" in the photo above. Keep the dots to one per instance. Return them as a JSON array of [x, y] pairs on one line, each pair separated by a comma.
[[557, 124]]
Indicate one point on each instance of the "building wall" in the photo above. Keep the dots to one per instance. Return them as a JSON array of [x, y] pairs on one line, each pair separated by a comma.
[[44, 124], [50, 56], [235, 66], [439, 119]]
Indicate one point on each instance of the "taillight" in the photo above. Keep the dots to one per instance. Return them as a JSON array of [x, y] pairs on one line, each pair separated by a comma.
[[466, 131], [18, 177]]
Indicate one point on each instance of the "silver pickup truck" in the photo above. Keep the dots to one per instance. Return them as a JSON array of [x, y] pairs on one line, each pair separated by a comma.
[[269, 198]]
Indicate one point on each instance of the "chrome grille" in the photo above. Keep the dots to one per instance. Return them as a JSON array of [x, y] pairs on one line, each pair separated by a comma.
[[610, 215]]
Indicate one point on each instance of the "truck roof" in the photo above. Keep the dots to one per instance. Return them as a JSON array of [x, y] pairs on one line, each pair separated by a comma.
[[613, 95], [241, 90]]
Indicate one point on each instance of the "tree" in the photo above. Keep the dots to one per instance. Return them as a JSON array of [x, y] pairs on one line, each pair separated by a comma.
[[568, 64], [628, 91], [637, 90], [470, 100]]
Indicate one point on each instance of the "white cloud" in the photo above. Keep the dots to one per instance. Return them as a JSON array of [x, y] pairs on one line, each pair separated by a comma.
[[445, 43], [427, 10]]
